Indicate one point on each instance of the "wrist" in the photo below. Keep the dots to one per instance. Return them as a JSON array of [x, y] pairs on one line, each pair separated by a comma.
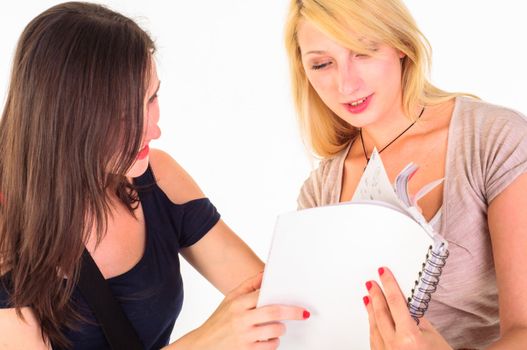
[[190, 341]]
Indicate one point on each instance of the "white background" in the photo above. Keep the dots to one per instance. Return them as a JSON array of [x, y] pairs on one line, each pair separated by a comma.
[[226, 111]]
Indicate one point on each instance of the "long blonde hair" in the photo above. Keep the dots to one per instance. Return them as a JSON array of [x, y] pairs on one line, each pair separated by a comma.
[[386, 21]]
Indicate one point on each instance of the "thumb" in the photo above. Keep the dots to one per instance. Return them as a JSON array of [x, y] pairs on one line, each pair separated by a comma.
[[249, 285]]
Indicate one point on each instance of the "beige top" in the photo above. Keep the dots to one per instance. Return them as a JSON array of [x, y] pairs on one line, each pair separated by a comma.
[[486, 151]]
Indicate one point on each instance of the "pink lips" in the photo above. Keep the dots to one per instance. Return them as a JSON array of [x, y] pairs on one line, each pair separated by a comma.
[[359, 108], [143, 152]]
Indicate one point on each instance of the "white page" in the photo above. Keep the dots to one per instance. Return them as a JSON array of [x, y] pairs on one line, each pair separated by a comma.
[[374, 183], [320, 259]]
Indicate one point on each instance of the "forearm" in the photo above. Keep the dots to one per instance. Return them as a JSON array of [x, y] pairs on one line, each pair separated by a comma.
[[189, 341], [515, 338], [223, 258]]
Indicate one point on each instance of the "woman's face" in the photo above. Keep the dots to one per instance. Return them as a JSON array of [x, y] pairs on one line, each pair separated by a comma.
[[360, 89], [151, 129]]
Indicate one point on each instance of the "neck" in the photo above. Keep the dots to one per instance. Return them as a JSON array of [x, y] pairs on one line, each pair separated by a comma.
[[385, 130]]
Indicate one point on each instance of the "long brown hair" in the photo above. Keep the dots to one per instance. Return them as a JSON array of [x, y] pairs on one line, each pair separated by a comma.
[[70, 129]]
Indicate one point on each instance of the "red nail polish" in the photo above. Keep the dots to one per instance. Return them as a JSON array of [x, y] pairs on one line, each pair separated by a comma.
[[381, 271], [366, 300], [368, 285], [306, 314]]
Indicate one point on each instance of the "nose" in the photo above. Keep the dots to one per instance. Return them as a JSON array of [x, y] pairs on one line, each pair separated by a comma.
[[349, 80], [152, 130]]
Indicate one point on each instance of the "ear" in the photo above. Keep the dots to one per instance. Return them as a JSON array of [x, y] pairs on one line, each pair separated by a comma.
[[401, 55]]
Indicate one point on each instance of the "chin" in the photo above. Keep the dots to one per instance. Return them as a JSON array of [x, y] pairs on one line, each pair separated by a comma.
[[359, 120], [138, 168]]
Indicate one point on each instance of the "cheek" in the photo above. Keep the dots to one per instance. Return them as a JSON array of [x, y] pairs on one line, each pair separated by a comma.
[[324, 84], [384, 74], [152, 130], [152, 112]]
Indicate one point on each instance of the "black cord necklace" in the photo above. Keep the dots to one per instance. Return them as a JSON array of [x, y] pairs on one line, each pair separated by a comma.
[[392, 141]]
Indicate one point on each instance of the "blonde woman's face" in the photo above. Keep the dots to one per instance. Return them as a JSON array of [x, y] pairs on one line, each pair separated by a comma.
[[360, 89]]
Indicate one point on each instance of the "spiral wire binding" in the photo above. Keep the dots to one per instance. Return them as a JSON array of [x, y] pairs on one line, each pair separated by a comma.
[[427, 282]]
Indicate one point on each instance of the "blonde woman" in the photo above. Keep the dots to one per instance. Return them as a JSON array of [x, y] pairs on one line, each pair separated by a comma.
[[359, 77]]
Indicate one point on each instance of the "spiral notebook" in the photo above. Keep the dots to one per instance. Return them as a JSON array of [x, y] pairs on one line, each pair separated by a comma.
[[320, 259]]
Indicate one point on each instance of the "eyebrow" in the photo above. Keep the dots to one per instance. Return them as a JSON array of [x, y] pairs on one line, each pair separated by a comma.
[[318, 52], [362, 39]]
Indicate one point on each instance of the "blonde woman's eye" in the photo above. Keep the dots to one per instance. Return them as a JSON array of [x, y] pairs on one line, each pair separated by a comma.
[[320, 66]]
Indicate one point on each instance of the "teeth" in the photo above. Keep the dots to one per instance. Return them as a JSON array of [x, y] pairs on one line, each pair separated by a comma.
[[356, 103]]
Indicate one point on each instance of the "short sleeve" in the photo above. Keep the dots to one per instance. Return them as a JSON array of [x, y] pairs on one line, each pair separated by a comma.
[[199, 216], [505, 151]]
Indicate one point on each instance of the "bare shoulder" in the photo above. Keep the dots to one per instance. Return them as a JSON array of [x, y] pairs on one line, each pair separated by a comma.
[[16, 333], [177, 184]]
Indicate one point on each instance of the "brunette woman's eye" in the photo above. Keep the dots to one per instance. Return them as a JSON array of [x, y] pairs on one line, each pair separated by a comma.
[[152, 99], [320, 66]]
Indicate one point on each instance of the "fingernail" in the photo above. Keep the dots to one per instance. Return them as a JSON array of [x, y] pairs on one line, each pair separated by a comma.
[[366, 300], [306, 314], [368, 285], [381, 271]]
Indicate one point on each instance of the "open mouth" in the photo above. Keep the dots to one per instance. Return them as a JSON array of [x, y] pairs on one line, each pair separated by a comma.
[[356, 103], [359, 102], [359, 105]]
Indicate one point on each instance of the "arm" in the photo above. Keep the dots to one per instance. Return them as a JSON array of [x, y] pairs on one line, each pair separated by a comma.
[[238, 324], [232, 326], [390, 323], [16, 333], [508, 230], [220, 256], [223, 258]]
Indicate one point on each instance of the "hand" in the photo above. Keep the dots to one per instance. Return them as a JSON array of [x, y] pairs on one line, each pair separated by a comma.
[[391, 326], [238, 324]]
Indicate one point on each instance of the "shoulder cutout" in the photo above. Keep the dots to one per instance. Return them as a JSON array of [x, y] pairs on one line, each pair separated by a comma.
[[177, 184]]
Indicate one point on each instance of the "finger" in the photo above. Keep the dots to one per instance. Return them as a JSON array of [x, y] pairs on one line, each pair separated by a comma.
[[267, 331], [425, 325], [247, 286], [376, 342], [270, 344], [275, 313], [381, 312], [396, 301]]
